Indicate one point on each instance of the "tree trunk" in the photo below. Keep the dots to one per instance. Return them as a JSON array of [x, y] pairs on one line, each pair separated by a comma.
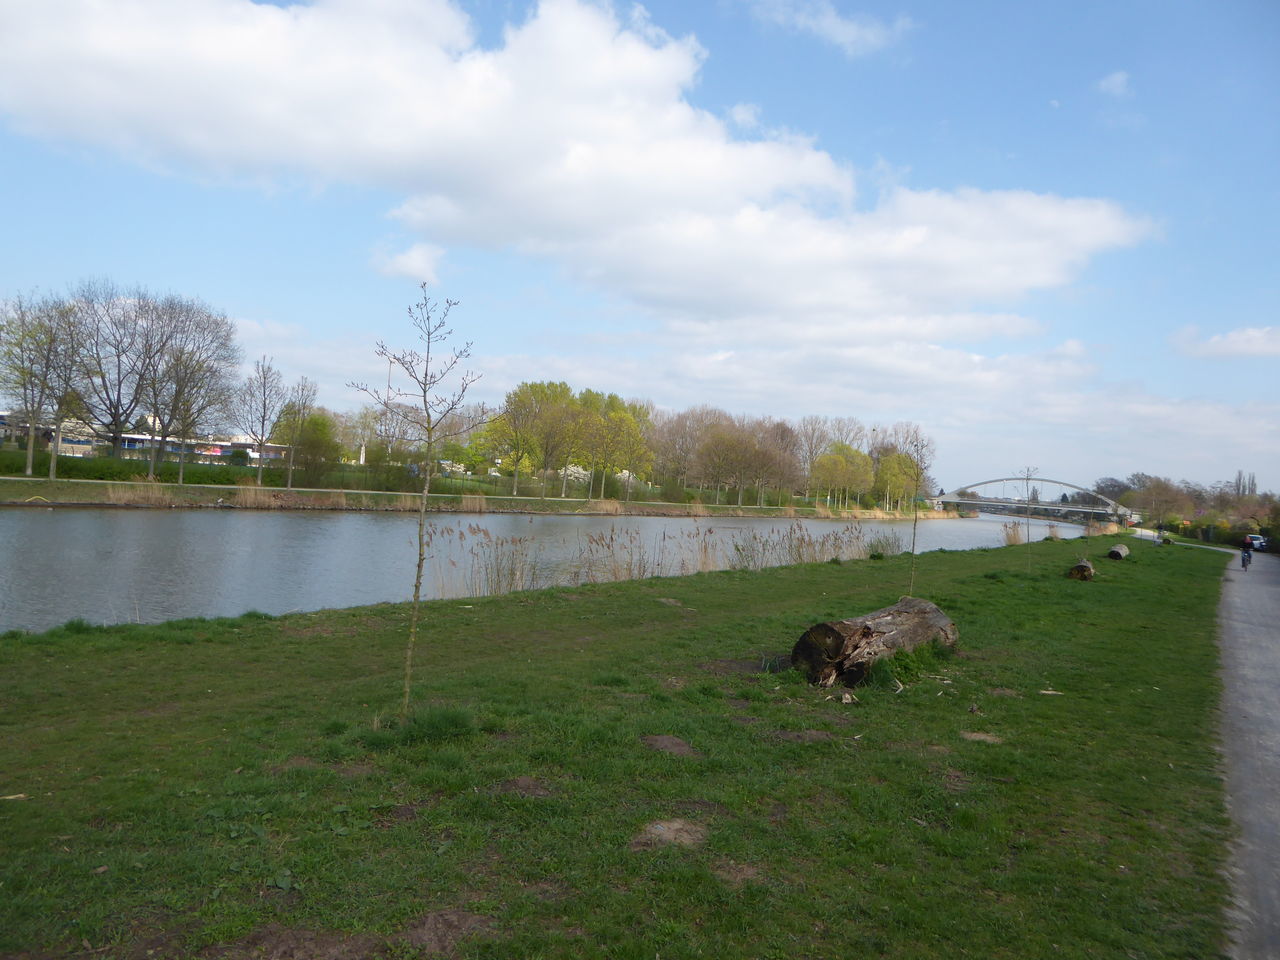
[[1118, 552], [182, 459], [1081, 571], [842, 651], [55, 448], [31, 445]]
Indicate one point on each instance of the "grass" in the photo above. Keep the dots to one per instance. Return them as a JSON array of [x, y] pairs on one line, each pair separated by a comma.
[[237, 782]]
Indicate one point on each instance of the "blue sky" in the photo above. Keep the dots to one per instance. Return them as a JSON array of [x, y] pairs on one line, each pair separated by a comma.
[[1045, 232]]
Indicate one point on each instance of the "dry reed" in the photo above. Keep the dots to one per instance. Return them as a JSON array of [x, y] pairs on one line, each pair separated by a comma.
[[1013, 534], [606, 508], [252, 496], [473, 503], [139, 492]]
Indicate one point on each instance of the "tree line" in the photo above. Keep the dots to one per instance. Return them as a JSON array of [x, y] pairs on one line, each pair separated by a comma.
[[125, 360]]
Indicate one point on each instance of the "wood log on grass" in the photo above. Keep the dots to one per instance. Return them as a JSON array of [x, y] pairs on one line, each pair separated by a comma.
[[1118, 552], [843, 650], [1081, 571]]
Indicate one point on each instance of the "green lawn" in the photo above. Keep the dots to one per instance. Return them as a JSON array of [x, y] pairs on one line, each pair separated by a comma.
[[238, 788]]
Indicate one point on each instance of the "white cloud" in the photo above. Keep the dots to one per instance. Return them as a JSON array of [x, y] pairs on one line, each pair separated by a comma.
[[419, 262], [1116, 85], [1243, 342], [855, 36], [745, 116], [573, 141]]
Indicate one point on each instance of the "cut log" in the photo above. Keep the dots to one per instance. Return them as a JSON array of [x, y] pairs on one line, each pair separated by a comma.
[[842, 651], [1081, 571], [1118, 552]]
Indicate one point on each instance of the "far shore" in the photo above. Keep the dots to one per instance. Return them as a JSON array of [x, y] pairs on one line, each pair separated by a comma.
[[39, 492]]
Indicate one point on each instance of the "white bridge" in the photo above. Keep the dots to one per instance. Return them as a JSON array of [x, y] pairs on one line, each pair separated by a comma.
[[968, 495]]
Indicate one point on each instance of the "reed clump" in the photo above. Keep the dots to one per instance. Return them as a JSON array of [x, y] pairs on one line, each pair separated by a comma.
[[139, 492], [473, 503], [252, 496], [605, 508], [1013, 533]]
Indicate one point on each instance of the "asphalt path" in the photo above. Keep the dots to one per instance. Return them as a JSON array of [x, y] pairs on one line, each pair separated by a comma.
[[1249, 628]]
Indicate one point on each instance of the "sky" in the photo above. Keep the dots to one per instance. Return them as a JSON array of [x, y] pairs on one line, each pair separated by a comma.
[[1046, 233]]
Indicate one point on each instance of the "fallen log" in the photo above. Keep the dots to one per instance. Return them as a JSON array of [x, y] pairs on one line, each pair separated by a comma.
[[1118, 552], [1081, 571], [843, 650]]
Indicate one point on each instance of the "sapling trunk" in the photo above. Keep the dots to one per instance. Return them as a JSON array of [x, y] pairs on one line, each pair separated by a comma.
[[417, 601]]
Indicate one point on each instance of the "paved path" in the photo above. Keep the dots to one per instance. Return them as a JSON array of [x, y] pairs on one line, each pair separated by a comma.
[[1249, 618]]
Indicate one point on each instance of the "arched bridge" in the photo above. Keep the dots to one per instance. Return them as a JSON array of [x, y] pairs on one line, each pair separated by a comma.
[[967, 494]]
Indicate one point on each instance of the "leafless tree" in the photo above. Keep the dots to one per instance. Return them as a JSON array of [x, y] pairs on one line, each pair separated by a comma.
[[257, 406], [813, 437], [121, 338], [920, 451], [422, 408], [192, 374]]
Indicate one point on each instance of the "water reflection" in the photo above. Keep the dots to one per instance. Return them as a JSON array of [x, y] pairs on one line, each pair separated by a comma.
[[114, 566]]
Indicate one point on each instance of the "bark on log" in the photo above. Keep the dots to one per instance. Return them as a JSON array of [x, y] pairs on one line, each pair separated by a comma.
[[842, 651], [1081, 571], [1118, 552]]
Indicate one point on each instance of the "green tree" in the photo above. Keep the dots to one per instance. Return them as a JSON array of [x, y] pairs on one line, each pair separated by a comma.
[[317, 446]]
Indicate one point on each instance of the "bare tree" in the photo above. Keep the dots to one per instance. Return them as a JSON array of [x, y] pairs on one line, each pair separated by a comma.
[[920, 451], [422, 408], [813, 437], [192, 373], [121, 338], [257, 406]]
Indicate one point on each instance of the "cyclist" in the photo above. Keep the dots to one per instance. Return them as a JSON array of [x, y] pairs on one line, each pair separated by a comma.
[[1246, 557]]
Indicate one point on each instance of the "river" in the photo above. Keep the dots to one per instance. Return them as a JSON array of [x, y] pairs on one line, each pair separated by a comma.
[[146, 566]]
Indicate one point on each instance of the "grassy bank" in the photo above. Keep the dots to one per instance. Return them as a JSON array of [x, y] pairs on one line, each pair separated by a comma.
[[236, 788], [141, 493]]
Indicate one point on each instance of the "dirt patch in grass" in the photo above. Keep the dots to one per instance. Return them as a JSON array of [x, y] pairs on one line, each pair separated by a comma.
[[669, 744], [441, 931], [1003, 692], [525, 787], [436, 934], [956, 781], [354, 769], [663, 833], [402, 813], [286, 943], [980, 737], [804, 736], [294, 763], [761, 663], [735, 874], [702, 806]]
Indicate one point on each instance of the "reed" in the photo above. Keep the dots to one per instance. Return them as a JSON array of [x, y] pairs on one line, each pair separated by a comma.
[[1013, 533], [698, 509], [473, 503], [605, 508], [139, 492], [252, 496]]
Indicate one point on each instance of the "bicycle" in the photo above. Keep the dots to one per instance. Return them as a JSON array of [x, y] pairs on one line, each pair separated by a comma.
[[1246, 558]]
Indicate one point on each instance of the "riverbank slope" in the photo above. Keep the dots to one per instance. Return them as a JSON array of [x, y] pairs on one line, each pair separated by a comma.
[[24, 491], [609, 771]]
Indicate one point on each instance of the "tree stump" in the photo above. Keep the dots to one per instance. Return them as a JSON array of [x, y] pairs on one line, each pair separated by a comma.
[[1118, 552], [1081, 571], [843, 650]]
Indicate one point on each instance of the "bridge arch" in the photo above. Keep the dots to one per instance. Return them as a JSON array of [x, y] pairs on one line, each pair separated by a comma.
[[1116, 508]]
